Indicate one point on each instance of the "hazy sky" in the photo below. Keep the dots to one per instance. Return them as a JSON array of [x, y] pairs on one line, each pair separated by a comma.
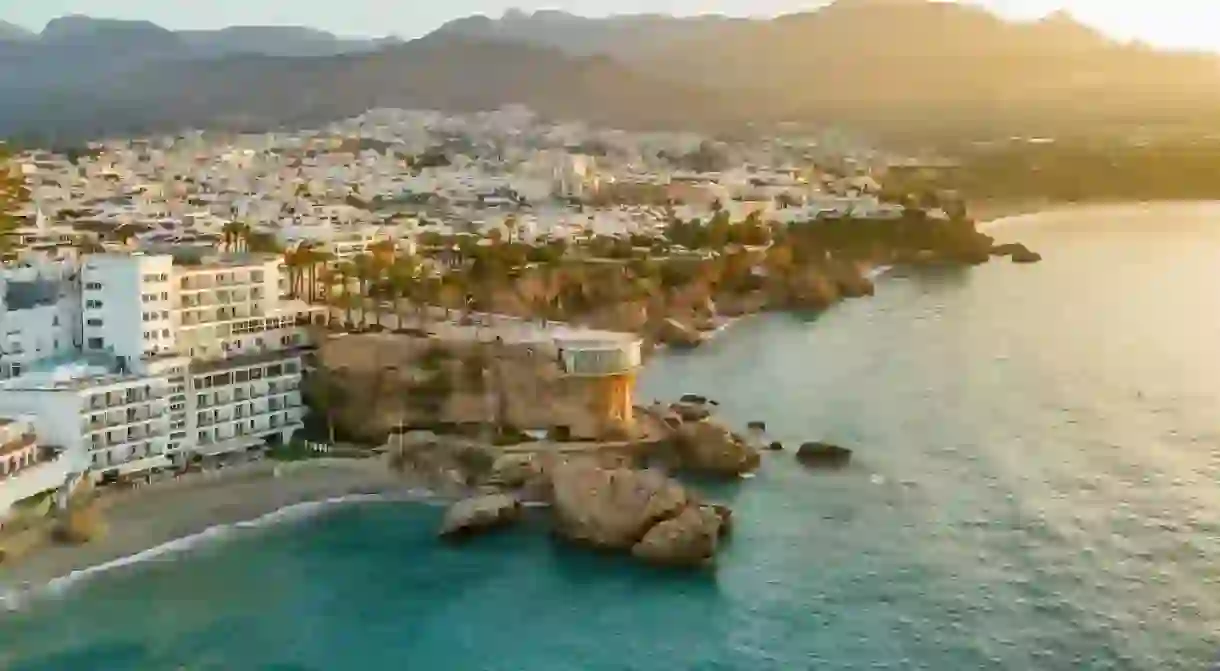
[[1173, 23]]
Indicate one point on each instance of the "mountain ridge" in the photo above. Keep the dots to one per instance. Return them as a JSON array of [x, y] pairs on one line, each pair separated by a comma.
[[888, 66]]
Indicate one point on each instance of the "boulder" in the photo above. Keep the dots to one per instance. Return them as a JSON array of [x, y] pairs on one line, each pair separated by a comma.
[[776, 446], [810, 288], [1026, 256], [1006, 249], [690, 412], [479, 514], [611, 509], [688, 539], [726, 518], [823, 455], [513, 470], [710, 447], [677, 334]]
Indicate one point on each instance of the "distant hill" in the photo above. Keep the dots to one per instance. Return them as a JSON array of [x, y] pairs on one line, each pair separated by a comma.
[[896, 64], [439, 72], [80, 51], [13, 32], [617, 36], [273, 41], [915, 67]]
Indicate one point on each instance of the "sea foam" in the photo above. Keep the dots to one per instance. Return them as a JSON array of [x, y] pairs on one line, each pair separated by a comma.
[[15, 598]]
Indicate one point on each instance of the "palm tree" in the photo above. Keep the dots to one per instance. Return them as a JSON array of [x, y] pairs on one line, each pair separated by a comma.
[[319, 260], [343, 274], [403, 278], [368, 272], [513, 225], [235, 235]]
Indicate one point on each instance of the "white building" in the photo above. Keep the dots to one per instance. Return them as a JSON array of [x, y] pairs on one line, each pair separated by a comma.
[[40, 315], [27, 469], [172, 361], [101, 417]]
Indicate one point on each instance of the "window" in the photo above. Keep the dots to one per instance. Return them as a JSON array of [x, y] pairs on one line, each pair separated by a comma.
[[94, 322], [96, 343], [165, 295], [93, 286], [164, 333], [93, 305]]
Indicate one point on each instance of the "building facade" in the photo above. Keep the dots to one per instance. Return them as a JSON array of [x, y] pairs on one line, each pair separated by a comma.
[[171, 361]]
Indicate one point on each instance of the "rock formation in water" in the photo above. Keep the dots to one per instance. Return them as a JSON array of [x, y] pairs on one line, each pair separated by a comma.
[[478, 515], [823, 455], [708, 447], [637, 511]]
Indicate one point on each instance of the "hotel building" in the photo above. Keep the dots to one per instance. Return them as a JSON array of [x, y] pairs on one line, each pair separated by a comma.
[[174, 359]]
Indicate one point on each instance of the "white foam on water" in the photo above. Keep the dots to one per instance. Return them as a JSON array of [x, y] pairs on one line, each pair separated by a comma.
[[14, 599]]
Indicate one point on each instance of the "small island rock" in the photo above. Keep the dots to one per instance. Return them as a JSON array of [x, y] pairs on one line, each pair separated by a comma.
[[775, 446], [711, 448], [611, 508], [823, 455], [689, 539], [677, 334], [475, 515]]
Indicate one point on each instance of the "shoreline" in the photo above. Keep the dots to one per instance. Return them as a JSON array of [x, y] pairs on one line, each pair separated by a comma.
[[175, 516], [144, 524]]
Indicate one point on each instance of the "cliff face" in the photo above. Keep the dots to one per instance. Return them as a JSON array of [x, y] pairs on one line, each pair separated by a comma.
[[388, 380]]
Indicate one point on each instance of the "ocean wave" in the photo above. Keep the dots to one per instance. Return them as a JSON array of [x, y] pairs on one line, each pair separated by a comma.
[[14, 599]]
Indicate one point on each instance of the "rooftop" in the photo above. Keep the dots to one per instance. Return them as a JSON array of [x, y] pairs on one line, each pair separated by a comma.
[[63, 374], [222, 261]]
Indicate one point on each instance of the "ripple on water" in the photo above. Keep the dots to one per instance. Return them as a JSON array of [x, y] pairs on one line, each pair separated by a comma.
[[1031, 492]]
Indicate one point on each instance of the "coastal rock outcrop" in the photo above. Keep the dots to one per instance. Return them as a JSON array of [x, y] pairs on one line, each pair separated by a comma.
[[810, 288], [677, 334], [1016, 251], [641, 512], [709, 447], [480, 514], [611, 509], [514, 471], [690, 539], [823, 455], [1026, 256], [687, 411]]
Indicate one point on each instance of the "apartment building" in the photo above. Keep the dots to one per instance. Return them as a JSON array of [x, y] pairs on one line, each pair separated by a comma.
[[174, 359], [103, 418]]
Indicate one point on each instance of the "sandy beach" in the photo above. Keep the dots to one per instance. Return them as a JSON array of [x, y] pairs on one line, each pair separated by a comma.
[[151, 516]]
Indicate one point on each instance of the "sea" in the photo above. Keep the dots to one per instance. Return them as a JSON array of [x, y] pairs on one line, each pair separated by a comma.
[[1034, 487]]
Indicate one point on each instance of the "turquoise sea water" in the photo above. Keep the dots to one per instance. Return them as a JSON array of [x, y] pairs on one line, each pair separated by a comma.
[[1036, 487]]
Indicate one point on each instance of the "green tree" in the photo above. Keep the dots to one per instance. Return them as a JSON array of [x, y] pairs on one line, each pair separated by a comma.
[[324, 394]]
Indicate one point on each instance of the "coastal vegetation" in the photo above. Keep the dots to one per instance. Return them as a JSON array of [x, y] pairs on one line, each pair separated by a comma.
[[1075, 171]]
